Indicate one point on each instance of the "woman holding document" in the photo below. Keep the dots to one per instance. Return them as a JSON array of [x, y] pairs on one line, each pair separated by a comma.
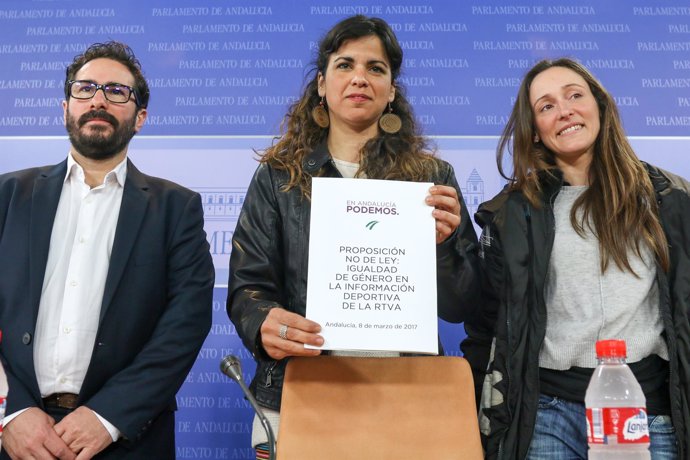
[[352, 121]]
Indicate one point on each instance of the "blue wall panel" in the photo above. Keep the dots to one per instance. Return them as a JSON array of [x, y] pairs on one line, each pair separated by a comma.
[[222, 74]]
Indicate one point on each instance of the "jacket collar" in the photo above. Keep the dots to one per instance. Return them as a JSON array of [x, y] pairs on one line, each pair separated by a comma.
[[135, 201], [44, 203], [660, 183], [551, 183], [315, 160]]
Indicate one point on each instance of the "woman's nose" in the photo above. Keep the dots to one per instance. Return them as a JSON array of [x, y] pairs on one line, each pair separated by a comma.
[[566, 109], [359, 78]]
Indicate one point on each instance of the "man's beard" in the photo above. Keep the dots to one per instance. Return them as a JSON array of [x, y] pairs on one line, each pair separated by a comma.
[[99, 145]]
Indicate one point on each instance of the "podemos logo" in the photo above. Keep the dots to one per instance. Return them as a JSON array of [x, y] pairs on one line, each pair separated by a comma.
[[387, 208]]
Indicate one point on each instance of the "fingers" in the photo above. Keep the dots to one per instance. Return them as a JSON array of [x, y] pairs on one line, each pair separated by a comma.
[[447, 210], [445, 198], [293, 320], [285, 333], [298, 336], [59, 448], [83, 432], [86, 454], [31, 435]]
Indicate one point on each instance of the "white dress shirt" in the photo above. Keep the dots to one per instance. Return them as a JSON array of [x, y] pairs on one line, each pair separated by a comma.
[[80, 246]]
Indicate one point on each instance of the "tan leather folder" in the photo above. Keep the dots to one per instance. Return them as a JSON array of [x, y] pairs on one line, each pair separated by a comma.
[[340, 408]]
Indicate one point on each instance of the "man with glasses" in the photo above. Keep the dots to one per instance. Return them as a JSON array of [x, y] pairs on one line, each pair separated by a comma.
[[106, 286]]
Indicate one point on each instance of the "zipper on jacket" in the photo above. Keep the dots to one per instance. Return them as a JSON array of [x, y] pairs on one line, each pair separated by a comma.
[[269, 375], [531, 287], [532, 275], [509, 329]]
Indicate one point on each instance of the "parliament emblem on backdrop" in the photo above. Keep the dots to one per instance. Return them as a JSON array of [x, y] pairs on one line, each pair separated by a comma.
[[222, 208]]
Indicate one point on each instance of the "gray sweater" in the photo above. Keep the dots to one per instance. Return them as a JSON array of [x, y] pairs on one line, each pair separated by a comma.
[[585, 305]]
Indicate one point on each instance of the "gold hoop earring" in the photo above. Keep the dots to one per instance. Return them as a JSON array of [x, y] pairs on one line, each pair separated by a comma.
[[390, 122], [320, 115]]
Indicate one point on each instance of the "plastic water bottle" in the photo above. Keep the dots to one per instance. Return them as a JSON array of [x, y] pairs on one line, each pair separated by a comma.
[[616, 408]]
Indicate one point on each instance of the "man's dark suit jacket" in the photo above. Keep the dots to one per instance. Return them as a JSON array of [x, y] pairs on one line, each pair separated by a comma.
[[156, 309]]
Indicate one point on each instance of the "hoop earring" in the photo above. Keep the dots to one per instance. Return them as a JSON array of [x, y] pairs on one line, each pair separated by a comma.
[[320, 115], [390, 122]]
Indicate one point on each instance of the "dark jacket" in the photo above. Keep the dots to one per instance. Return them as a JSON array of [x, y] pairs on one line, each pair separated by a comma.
[[268, 265], [516, 244], [156, 309]]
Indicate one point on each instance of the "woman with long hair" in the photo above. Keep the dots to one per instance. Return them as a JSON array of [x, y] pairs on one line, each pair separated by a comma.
[[586, 242], [352, 120]]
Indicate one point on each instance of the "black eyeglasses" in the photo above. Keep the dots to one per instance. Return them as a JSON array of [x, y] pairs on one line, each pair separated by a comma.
[[114, 92]]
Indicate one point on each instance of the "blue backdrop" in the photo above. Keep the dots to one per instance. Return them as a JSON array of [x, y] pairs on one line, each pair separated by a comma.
[[222, 73]]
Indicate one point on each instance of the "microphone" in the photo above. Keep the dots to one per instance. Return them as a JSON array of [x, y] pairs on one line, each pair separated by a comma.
[[230, 366]]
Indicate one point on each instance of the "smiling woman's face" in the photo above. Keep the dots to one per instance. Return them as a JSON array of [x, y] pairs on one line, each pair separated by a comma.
[[566, 114]]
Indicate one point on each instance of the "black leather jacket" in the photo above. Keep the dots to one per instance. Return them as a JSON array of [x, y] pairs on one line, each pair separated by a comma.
[[268, 265], [516, 244]]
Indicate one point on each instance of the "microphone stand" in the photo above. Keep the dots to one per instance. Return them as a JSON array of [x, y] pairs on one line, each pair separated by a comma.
[[230, 366]]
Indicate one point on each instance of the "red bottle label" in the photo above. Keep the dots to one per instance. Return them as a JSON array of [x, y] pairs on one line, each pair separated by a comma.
[[3, 405], [617, 425]]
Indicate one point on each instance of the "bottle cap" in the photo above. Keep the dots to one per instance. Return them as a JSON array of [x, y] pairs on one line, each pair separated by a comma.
[[611, 349]]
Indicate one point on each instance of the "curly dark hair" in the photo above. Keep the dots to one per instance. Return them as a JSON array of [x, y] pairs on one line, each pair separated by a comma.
[[405, 155], [116, 51]]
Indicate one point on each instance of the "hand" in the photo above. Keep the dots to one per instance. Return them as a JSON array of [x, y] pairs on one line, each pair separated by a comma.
[[300, 330], [447, 213], [84, 433], [31, 435]]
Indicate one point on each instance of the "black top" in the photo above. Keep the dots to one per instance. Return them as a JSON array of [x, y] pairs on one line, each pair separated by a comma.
[[652, 373]]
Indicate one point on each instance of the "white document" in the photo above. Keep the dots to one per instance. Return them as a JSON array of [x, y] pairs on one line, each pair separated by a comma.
[[372, 265]]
